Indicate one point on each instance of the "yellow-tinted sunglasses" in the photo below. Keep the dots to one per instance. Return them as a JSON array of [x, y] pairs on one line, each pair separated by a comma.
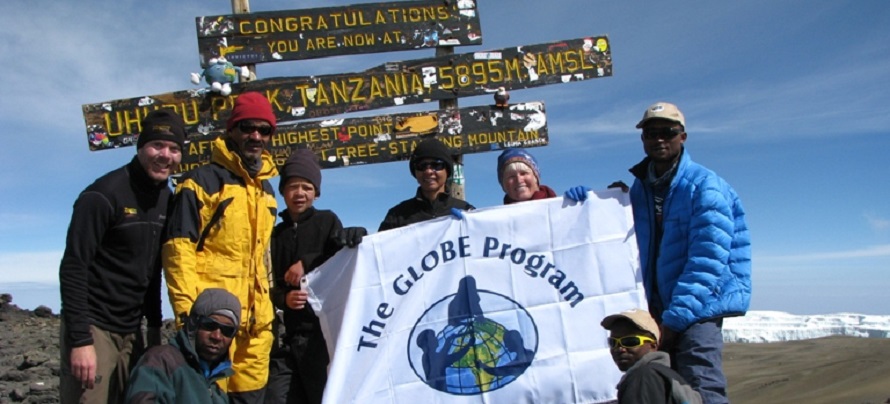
[[630, 341]]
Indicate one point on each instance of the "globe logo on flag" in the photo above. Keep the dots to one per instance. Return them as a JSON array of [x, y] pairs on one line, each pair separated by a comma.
[[456, 348]]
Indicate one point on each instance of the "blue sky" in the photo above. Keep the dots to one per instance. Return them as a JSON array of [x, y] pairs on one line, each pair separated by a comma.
[[788, 101]]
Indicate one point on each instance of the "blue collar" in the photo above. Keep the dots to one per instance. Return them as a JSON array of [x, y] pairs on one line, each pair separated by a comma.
[[221, 367]]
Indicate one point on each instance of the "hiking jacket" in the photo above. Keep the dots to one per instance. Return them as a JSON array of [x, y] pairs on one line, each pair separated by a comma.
[[110, 274], [308, 240], [218, 234], [172, 374], [702, 268], [301, 353], [418, 209]]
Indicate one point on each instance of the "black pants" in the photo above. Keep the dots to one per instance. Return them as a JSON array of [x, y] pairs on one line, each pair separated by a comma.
[[298, 369], [247, 397]]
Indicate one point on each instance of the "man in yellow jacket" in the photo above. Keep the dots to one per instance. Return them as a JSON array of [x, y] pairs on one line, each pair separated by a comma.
[[218, 232]]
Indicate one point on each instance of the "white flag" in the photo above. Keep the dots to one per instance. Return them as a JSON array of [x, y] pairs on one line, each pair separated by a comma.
[[502, 306]]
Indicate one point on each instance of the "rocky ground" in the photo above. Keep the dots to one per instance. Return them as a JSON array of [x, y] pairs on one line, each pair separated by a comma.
[[824, 370], [29, 354]]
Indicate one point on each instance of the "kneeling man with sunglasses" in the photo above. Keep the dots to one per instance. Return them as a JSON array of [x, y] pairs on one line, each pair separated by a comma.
[[186, 369], [648, 377]]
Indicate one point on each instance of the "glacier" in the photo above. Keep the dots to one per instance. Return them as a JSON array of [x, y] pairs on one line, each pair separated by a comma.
[[775, 326]]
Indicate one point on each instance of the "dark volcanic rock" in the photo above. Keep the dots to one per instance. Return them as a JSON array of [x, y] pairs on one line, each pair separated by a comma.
[[14, 375], [43, 311], [33, 359], [29, 353], [18, 394]]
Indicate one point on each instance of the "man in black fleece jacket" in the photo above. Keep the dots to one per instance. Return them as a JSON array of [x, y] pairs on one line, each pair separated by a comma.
[[110, 271]]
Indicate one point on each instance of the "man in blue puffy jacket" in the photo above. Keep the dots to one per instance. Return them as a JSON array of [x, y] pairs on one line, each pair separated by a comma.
[[695, 250]]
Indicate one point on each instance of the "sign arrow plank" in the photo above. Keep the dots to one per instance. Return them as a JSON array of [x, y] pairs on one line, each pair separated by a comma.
[[116, 123]]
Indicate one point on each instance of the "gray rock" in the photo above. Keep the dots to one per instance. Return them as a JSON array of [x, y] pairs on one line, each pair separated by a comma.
[[29, 353], [43, 312], [40, 386], [14, 375], [18, 394], [32, 359]]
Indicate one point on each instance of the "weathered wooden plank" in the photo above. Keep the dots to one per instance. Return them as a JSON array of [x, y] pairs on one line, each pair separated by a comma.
[[384, 138], [115, 123], [354, 29]]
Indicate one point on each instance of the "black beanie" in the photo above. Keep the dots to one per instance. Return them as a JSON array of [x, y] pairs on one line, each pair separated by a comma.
[[431, 148], [162, 124], [301, 163]]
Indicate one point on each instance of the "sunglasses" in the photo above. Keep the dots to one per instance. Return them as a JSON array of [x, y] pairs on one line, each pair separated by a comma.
[[661, 133], [209, 324], [631, 341], [250, 127], [436, 165]]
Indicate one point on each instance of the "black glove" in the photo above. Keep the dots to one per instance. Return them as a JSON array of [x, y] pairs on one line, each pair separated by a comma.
[[349, 236], [619, 184]]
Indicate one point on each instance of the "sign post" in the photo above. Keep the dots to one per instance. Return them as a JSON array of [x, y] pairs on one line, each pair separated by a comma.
[[114, 124], [241, 7], [330, 31], [246, 38], [385, 138], [458, 181]]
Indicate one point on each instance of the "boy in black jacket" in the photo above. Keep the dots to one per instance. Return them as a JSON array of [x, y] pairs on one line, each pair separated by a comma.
[[304, 240]]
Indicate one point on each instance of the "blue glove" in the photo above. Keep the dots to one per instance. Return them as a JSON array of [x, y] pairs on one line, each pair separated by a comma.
[[457, 213], [577, 193]]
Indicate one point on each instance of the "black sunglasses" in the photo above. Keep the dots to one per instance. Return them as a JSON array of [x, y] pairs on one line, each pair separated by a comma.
[[209, 324], [250, 127], [661, 133], [436, 165]]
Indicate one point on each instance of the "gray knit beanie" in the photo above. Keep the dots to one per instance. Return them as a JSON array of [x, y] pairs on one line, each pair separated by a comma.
[[216, 301]]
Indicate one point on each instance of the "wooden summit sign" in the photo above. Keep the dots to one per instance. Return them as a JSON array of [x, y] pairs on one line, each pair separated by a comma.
[[320, 32], [384, 138], [116, 123]]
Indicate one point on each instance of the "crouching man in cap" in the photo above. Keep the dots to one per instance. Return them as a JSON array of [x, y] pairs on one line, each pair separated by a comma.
[[648, 378], [186, 370]]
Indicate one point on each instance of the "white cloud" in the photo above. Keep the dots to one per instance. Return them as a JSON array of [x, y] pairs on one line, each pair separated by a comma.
[[12, 221], [39, 266], [821, 103], [876, 222], [877, 251]]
